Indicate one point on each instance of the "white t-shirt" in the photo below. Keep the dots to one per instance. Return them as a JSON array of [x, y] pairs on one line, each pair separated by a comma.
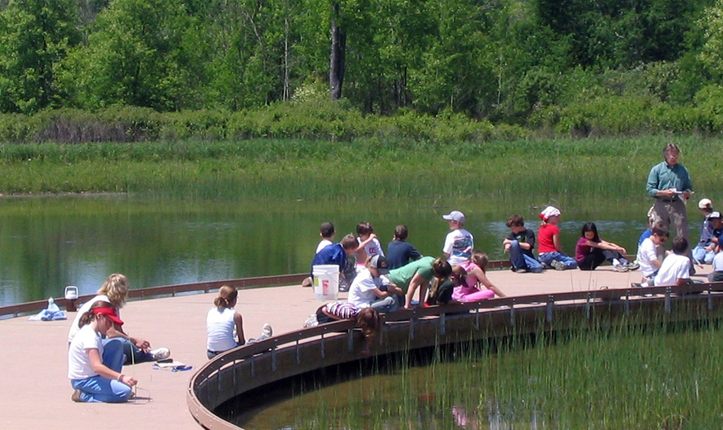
[[83, 309], [361, 292], [647, 253], [459, 245], [372, 248], [674, 267], [79, 366], [323, 244], [220, 328], [718, 262]]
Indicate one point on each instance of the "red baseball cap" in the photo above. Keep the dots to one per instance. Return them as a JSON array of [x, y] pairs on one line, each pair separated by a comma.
[[110, 313]]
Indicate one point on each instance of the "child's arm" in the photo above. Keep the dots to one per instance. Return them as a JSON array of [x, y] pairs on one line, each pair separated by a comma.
[[606, 245], [387, 290], [101, 369], [238, 320], [117, 331], [368, 240], [482, 279], [417, 281], [612, 246], [556, 242]]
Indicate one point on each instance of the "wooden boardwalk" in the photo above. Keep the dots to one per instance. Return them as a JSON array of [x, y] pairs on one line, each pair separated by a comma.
[[36, 391]]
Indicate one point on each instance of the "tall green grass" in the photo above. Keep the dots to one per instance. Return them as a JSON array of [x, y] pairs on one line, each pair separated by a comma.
[[633, 377], [299, 169]]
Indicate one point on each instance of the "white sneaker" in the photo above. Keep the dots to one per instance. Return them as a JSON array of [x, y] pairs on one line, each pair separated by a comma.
[[160, 353], [620, 268], [267, 331], [558, 265]]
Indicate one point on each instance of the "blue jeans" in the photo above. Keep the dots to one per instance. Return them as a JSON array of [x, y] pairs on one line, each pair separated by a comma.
[[549, 257], [387, 304], [702, 256], [131, 353], [99, 388], [520, 260]]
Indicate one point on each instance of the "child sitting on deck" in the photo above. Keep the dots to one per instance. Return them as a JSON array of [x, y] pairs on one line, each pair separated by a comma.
[[648, 256], [371, 289], [476, 276], [459, 243], [591, 251], [550, 251], [443, 284], [327, 232], [224, 325], [368, 246], [675, 269], [337, 254], [717, 274], [519, 244], [702, 253], [94, 367], [399, 251]]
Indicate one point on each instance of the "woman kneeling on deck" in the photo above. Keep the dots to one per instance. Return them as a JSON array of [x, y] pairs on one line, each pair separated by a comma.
[[94, 368]]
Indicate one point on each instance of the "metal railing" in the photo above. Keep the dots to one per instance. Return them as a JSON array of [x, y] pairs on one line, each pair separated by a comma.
[[167, 290], [245, 368]]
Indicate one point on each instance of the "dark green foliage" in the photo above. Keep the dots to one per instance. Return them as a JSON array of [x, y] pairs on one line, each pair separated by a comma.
[[543, 64]]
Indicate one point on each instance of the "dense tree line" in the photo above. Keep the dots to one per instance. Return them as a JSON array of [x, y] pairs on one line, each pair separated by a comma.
[[528, 62]]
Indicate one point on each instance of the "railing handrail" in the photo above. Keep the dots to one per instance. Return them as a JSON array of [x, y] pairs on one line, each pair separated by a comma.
[[172, 290]]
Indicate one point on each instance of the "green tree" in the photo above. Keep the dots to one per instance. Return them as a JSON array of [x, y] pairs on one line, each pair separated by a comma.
[[145, 53], [35, 36]]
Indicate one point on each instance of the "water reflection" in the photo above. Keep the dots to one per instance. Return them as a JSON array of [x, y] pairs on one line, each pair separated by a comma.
[[48, 243]]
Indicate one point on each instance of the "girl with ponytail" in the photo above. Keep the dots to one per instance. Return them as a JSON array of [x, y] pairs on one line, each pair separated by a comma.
[[224, 325]]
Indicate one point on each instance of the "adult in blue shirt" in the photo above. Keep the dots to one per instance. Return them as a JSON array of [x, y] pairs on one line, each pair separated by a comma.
[[669, 183]]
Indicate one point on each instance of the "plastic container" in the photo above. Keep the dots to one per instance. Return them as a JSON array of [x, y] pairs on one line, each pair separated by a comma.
[[326, 281], [71, 295]]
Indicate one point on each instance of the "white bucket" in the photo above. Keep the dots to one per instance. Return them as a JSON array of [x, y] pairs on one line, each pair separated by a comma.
[[71, 292], [326, 281]]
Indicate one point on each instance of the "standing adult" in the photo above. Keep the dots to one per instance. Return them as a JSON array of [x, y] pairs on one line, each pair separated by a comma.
[[669, 183]]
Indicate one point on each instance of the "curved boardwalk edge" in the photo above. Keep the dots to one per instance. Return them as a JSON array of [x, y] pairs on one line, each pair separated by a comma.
[[242, 369]]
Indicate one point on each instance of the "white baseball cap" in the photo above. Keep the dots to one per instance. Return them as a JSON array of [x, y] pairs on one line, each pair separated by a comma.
[[705, 203], [455, 216]]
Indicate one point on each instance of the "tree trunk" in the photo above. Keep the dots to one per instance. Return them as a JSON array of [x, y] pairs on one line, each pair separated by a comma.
[[286, 94], [337, 57]]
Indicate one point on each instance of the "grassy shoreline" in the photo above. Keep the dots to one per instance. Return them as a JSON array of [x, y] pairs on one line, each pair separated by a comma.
[[300, 169]]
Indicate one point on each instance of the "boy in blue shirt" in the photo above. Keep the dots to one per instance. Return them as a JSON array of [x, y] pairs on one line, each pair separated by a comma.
[[399, 251]]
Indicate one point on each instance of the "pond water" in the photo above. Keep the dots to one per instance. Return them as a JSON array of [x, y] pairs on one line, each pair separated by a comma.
[[644, 379], [47, 243]]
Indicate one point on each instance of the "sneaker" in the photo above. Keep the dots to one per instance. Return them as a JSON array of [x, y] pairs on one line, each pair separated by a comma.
[[520, 270], [620, 268], [632, 266], [636, 285], [267, 331], [160, 354], [76, 396], [558, 265]]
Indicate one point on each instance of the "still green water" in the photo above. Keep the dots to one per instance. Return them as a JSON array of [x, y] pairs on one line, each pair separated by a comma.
[[628, 379], [47, 243]]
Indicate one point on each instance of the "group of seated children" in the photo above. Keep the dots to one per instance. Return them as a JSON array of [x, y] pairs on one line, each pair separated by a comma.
[[590, 251], [673, 268]]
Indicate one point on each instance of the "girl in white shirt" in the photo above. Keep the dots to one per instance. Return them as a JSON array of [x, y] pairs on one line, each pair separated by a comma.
[[94, 368], [224, 325]]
